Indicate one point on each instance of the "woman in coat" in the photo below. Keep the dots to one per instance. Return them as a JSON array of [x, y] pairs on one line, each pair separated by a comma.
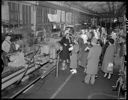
[[65, 54], [93, 60], [73, 57], [82, 53], [108, 58], [80, 42]]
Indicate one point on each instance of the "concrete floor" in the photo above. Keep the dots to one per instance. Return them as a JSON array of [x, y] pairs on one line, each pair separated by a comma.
[[68, 86]]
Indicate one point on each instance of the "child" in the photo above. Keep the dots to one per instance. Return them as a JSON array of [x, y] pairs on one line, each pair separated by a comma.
[[73, 57]]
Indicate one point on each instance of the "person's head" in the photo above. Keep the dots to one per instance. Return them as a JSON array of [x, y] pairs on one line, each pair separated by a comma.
[[111, 41], [17, 46], [94, 41], [99, 42], [86, 30], [8, 37], [91, 34], [75, 41], [66, 30], [83, 31]]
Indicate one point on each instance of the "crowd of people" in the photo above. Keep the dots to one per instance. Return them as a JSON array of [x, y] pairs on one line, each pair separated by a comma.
[[94, 49]]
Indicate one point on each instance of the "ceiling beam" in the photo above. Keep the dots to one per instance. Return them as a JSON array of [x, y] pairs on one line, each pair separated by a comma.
[[104, 10], [85, 8], [105, 14], [121, 9], [75, 5]]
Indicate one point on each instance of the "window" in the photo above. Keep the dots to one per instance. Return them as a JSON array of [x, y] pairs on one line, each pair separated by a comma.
[[26, 14], [13, 13]]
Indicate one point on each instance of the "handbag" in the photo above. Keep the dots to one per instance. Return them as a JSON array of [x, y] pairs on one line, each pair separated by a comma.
[[110, 67]]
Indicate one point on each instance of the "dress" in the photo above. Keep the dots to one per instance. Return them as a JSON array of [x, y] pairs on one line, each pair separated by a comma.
[[80, 42], [93, 59], [64, 55], [73, 57], [82, 56], [103, 51], [108, 57]]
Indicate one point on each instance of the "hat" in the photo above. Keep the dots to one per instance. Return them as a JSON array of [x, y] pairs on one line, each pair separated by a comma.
[[8, 37], [66, 32]]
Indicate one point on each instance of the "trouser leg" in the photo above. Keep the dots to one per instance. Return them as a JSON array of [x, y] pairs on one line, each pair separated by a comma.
[[63, 65], [92, 79], [87, 78], [5, 59]]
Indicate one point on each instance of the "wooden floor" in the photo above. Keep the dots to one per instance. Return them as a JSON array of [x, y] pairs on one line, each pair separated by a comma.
[[68, 86]]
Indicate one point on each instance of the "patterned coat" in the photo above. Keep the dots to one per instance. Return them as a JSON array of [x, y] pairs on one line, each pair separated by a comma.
[[65, 54], [82, 56]]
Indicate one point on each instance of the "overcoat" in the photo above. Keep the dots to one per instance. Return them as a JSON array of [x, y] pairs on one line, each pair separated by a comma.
[[82, 56], [93, 59], [108, 57], [65, 54], [73, 57]]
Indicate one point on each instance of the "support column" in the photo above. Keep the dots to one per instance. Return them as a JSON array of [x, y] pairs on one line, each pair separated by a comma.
[[33, 17]]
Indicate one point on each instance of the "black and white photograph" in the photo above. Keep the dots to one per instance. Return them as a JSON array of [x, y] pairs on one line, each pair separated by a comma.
[[63, 49]]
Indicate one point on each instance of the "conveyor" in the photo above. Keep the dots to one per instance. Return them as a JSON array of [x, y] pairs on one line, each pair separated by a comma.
[[46, 67]]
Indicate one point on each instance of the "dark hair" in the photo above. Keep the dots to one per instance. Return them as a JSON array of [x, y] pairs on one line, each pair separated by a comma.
[[92, 34], [111, 41], [100, 42]]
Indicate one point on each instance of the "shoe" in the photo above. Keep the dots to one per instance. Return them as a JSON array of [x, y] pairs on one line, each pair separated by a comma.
[[71, 70], [105, 74], [63, 68], [96, 76], [114, 88], [92, 80], [74, 71], [86, 81]]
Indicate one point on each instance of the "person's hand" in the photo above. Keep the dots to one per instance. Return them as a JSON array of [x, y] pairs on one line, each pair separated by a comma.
[[71, 45], [87, 48], [71, 48], [65, 44]]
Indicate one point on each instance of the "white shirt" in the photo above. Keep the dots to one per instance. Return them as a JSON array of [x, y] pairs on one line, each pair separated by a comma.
[[96, 34], [84, 37], [6, 46]]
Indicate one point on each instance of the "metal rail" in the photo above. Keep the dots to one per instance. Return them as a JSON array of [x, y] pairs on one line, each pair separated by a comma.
[[40, 77], [32, 83]]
